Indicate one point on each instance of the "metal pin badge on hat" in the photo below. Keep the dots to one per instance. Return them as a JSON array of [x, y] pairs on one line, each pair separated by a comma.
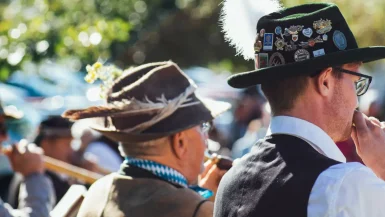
[[263, 60], [268, 42], [257, 46], [277, 59], [291, 46], [301, 55], [307, 32], [294, 38], [322, 26], [262, 32], [280, 43], [278, 30], [325, 37], [339, 40]]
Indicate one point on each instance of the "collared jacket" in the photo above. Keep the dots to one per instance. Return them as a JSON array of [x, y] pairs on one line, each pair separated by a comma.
[[141, 194]]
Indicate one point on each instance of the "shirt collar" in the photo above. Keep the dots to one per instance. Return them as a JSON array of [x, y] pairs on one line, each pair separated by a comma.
[[307, 131], [167, 173]]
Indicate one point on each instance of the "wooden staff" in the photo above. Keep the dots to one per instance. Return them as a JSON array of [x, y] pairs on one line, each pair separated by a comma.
[[58, 166]]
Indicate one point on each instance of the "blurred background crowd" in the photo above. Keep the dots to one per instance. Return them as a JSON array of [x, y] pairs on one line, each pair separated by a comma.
[[46, 45]]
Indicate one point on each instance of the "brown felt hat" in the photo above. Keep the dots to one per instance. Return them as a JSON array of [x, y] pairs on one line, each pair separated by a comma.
[[148, 102]]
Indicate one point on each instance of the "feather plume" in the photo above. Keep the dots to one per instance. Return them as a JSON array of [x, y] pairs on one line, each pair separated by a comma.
[[91, 112], [132, 107], [239, 20]]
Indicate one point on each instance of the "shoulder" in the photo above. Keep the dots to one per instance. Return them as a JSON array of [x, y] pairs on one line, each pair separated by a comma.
[[348, 188], [205, 210]]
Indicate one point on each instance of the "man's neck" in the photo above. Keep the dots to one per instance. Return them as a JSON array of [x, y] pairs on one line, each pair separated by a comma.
[[309, 112]]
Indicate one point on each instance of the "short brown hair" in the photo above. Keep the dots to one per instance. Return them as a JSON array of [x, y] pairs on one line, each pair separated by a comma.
[[149, 148], [283, 93]]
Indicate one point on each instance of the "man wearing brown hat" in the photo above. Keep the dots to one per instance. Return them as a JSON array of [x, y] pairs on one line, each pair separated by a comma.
[[307, 62], [153, 112]]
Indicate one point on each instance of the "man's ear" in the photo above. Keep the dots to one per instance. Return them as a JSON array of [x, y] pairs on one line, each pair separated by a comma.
[[179, 144], [324, 82]]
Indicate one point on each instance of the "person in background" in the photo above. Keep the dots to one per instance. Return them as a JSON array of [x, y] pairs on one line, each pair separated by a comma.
[[153, 112], [36, 191], [249, 108], [55, 138], [97, 146], [257, 129]]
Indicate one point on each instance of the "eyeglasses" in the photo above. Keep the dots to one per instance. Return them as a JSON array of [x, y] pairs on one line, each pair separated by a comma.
[[362, 85], [205, 127]]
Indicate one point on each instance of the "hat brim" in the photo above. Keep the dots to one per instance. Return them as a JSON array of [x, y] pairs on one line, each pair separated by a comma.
[[247, 79], [215, 107]]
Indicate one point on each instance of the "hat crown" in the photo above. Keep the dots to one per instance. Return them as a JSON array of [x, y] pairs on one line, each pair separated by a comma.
[[150, 81], [301, 33]]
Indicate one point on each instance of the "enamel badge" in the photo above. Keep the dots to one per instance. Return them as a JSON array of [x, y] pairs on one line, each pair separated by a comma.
[[291, 46], [307, 32], [325, 37], [263, 60], [256, 61], [276, 59], [278, 30], [318, 53], [257, 46], [322, 26], [268, 42], [301, 55], [294, 38], [318, 39], [339, 40], [262, 33], [280, 43], [293, 30], [311, 42], [304, 44]]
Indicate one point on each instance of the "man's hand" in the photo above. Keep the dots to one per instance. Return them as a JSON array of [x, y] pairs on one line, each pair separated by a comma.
[[211, 177], [369, 138], [26, 159]]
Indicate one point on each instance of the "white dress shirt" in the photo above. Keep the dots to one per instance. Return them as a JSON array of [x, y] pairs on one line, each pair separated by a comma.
[[342, 190]]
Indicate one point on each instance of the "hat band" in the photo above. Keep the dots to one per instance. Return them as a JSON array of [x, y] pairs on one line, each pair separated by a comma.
[[165, 108]]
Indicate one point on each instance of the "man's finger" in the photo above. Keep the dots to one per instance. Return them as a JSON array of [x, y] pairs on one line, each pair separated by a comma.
[[213, 171], [208, 165], [375, 121], [355, 137], [360, 121]]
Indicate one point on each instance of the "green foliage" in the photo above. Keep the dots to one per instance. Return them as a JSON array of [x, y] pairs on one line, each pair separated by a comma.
[[130, 32], [365, 18], [33, 30]]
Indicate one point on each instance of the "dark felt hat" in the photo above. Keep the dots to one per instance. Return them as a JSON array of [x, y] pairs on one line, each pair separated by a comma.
[[300, 40], [149, 102]]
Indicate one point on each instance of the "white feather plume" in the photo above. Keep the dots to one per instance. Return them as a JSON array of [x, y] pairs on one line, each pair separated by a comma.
[[239, 20]]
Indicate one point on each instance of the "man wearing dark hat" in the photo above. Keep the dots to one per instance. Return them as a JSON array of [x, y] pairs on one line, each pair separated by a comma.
[[36, 193], [153, 112], [307, 62]]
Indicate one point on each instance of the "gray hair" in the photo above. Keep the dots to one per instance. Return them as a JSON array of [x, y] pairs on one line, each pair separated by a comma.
[[149, 148]]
